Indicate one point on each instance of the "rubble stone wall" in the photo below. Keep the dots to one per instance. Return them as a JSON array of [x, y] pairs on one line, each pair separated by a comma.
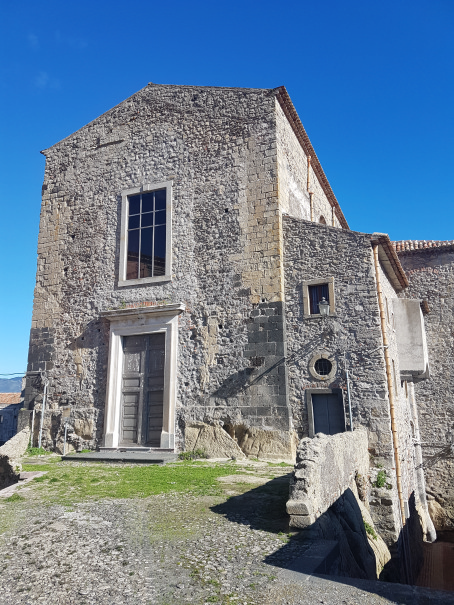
[[326, 466], [316, 251], [218, 146], [431, 275], [10, 454]]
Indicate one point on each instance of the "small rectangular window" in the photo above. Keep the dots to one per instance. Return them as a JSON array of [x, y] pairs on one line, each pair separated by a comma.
[[314, 291], [316, 294]]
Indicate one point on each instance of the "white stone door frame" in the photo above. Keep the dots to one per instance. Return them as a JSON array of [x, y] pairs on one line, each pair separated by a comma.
[[133, 322]]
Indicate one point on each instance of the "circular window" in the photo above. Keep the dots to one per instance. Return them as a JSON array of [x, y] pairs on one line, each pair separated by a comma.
[[323, 367]]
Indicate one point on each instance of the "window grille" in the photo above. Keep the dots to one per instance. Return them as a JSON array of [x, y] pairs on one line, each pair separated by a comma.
[[323, 366], [146, 256]]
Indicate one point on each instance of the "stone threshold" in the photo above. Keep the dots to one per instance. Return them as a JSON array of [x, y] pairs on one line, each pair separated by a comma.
[[139, 449], [127, 455]]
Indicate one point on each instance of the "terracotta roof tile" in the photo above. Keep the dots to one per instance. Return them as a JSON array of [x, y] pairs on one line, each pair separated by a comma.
[[421, 244], [9, 398]]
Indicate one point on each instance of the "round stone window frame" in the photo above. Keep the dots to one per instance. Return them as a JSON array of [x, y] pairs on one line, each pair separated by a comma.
[[313, 371]]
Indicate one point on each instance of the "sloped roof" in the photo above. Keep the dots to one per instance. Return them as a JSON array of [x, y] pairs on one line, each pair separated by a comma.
[[292, 116], [9, 398], [390, 261], [409, 245]]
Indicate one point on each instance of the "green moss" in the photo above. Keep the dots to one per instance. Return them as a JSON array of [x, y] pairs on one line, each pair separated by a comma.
[[370, 530], [381, 479]]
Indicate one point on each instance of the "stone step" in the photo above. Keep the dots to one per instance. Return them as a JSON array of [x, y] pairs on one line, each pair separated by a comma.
[[130, 456]]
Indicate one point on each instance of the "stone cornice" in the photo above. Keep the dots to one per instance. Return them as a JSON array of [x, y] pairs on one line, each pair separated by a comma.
[[170, 309]]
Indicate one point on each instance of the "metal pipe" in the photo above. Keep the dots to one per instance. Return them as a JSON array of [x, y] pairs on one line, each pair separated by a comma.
[[308, 172], [64, 443], [392, 409], [46, 382], [32, 432], [311, 202]]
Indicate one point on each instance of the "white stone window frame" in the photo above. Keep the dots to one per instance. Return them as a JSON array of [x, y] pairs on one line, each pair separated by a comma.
[[306, 301], [125, 194], [133, 322]]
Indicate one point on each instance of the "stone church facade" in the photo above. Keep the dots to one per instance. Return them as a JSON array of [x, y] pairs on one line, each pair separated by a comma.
[[187, 237]]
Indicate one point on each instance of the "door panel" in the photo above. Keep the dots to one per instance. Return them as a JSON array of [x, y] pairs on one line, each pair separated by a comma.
[[142, 390], [155, 390], [328, 414]]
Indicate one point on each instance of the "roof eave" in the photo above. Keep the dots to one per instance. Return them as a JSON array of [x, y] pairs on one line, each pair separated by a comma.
[[390, 261], [294, 120]]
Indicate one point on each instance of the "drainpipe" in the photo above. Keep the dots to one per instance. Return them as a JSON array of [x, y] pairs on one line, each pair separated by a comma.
[[308, 172], [33, 428], [392, 409], [312, 205], [46, 382]]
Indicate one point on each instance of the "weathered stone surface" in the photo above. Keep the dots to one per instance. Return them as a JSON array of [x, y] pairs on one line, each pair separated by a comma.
[[430, 274], [325, 467], [324, 498], [10, 455], [212, 439], [438, 515], [265, 444]]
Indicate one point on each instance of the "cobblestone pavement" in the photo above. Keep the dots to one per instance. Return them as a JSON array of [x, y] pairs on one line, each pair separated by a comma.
[[166, 549]]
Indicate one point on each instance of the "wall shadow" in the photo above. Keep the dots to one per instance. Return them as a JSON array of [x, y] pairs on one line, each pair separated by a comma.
[[353, 562]]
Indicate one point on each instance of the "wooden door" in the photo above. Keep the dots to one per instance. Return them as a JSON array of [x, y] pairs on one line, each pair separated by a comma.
[[142, 395], [134, 351], [329, 415], [154, 390]]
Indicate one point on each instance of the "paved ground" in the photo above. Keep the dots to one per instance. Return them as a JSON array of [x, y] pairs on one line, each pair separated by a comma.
[[170, 549]]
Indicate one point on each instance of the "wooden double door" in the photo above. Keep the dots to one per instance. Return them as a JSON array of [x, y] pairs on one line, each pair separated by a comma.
[[142, 393], [328, 410]]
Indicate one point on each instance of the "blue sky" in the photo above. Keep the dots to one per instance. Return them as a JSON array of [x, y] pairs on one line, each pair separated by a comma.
[[372, 82]]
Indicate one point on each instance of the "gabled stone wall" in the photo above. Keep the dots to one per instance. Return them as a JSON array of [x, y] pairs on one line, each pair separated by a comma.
[[218, 146]]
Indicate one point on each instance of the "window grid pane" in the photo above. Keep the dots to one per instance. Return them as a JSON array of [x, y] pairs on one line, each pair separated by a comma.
[[146, 235]]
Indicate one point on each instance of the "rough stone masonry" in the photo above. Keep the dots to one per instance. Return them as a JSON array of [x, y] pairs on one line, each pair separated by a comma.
[[220, 343]]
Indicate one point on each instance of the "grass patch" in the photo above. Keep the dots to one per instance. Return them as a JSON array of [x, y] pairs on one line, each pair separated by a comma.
[[192, 455], [15, 498], [381, 480], [37, 451], [67, 484]]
